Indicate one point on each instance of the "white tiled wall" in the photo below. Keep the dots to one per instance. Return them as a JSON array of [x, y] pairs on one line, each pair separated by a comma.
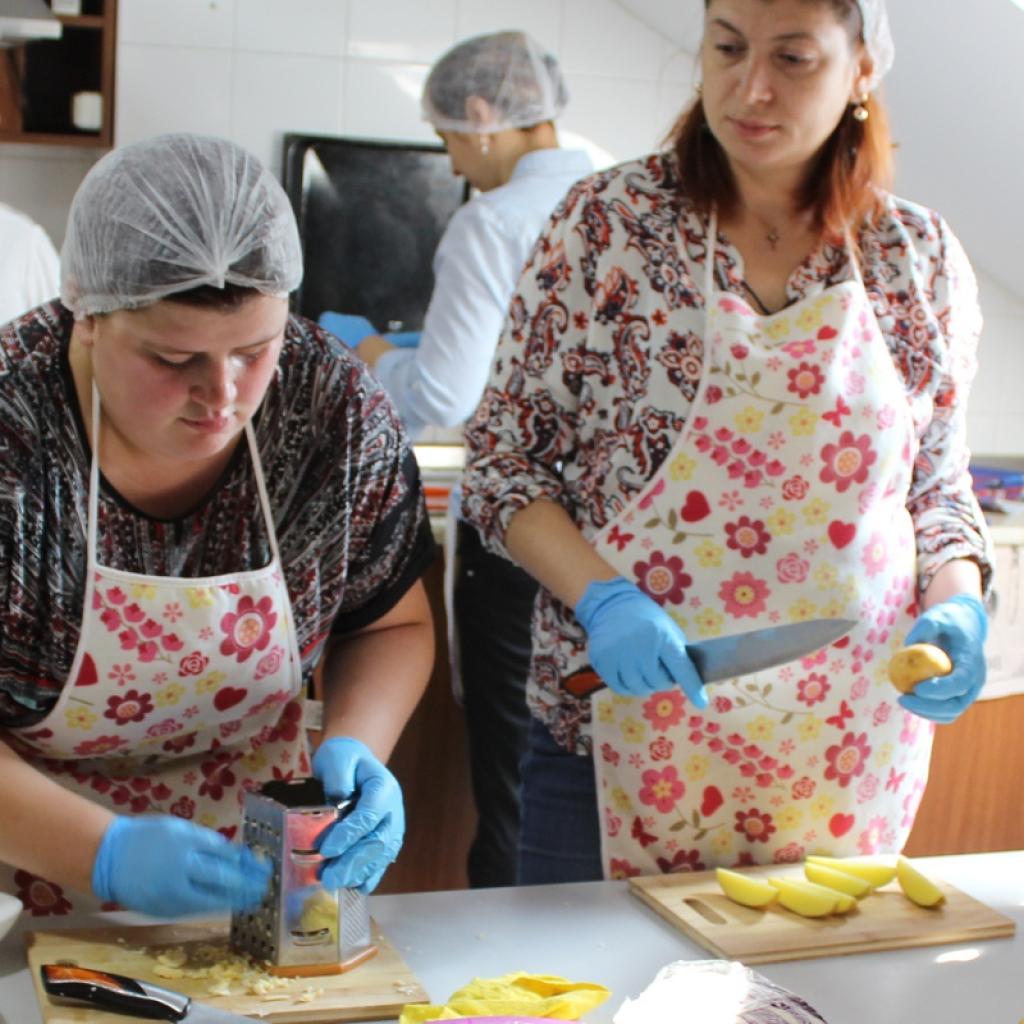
[[995, 421], [254, 69]]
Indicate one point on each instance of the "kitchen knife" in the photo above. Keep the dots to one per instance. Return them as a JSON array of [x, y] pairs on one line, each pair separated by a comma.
[[726, 657], [129, 996]]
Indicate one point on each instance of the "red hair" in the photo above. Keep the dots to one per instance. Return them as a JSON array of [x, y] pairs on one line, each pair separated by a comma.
[[845, 185]]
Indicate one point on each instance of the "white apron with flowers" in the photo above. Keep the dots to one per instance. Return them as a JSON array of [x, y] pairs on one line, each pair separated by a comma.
[[183, 694], [783, 500]]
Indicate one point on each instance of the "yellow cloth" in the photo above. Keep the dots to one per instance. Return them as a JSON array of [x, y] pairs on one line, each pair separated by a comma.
[[531, 995]]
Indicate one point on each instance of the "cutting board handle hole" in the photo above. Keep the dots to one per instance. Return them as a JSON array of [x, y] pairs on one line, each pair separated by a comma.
[[708, 913]]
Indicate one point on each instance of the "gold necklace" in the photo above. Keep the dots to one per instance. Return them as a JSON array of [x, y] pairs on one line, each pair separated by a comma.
[[772, 237]]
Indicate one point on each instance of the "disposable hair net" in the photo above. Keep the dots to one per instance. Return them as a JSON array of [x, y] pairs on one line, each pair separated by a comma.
[[520, 81], [877, 37], [172, 213]]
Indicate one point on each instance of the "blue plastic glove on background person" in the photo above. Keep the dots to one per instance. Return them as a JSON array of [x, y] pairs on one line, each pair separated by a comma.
[[359, 847], [166, 866], [347, 327], [636, 647], [959, 626]]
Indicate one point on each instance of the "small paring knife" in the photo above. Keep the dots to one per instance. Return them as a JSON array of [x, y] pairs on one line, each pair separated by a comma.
[[726, 657], [129, 996]]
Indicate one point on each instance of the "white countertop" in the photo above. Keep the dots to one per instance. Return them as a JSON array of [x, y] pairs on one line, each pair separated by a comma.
[[599, 932]]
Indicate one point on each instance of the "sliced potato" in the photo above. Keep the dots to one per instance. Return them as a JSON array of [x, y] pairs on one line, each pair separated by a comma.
[[841, 881], [876, 872], [818, 895], [745, 890], [917, 887], [914, 664]]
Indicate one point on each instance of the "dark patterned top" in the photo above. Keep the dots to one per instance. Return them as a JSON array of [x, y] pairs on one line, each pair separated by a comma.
[[343, 486], [603, 349]]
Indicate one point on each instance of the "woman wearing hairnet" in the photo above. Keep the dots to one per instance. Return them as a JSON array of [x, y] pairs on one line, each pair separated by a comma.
[[202, 498], [493, 100], [732, 395]]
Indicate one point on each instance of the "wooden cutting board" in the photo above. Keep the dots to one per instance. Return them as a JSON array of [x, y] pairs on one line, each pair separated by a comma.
[[886, 919], [375, 990]]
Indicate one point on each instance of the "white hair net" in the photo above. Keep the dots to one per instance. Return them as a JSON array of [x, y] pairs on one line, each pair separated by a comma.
[[520, 81], [172, 213], [877, 37]]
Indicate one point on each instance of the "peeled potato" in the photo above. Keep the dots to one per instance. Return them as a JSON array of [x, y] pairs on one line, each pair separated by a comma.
[[875, 872], [916, 886], [740, 888], [839, 880], [915, 663]]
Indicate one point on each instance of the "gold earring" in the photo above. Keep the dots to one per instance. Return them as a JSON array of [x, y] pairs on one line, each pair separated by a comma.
[[860, 111], [699, 89]]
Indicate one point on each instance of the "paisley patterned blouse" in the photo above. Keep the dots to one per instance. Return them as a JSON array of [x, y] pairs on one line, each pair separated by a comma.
[[602, 352], [343, 486]]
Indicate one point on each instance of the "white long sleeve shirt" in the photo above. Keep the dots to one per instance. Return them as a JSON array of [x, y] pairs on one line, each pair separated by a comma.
[[476, 268], [29, 266]]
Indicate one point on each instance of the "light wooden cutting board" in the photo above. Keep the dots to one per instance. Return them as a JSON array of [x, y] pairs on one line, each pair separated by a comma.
[[375, 990], [886, 919]]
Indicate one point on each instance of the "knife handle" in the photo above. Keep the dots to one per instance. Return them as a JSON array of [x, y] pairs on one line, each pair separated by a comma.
[[113, 992], [584, 683]]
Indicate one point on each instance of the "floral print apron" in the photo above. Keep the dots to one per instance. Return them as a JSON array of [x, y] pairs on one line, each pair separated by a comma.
[[184, 693], [783, 500]]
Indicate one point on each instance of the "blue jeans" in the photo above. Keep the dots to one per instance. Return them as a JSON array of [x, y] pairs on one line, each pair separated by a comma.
[[560, 838]]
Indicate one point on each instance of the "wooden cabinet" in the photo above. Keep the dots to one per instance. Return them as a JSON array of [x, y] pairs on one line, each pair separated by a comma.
[[972, 801], [39, 79]]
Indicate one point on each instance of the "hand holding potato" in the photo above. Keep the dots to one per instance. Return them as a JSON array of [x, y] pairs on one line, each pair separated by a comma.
[[958, 626]]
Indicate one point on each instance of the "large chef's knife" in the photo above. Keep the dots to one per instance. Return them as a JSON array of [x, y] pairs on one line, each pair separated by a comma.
[[129, 996], [726, 657]]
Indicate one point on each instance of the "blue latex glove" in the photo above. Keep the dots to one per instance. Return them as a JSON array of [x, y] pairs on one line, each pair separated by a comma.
[[959, 626], [635, 646], [165, 866], [347, 327], [404, 339], [359, 847]]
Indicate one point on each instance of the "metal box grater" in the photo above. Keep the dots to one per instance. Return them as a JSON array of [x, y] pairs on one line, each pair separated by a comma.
[[301, 928]]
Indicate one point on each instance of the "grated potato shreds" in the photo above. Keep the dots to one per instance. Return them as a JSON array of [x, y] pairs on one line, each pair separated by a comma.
[[220, 966]]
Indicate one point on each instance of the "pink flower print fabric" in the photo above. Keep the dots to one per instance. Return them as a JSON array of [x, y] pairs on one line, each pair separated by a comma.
[[781, 502]]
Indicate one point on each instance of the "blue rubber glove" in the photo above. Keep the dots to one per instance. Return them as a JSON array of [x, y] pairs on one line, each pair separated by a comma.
[[959, 626], [359, 847], [347, 327], [166, 866], [635, 646], [404, 339]]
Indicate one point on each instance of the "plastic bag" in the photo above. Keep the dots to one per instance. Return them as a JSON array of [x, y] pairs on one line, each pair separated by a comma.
[[715, 992]]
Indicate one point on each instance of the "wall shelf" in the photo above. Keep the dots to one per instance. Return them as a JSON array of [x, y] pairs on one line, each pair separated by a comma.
[[38, 80]]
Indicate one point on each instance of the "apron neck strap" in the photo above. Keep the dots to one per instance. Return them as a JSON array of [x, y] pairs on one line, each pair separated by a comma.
[[94, 485]]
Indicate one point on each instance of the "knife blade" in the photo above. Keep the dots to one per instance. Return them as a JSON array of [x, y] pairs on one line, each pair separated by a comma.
[[726, 657], [128, 996]]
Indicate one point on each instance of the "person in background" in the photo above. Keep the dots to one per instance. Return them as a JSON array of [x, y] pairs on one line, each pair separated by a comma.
[[29, 267], [493, 100], [201, 498], [732, 394]]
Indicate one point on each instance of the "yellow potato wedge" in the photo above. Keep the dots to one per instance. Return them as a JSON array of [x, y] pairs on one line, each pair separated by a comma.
[[841, 881], [873, 871], [914, 664], [816, 897], [745, 890], [917, 887]]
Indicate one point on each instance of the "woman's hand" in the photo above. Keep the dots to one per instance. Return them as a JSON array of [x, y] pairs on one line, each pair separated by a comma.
[[959, 626], [635, 646], [165, 866], [359, 847]]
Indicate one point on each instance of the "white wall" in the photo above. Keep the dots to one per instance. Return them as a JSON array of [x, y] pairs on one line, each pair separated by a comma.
[[253, 69]]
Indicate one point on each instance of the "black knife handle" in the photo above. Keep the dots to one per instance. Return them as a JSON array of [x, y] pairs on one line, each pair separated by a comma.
[[113, 992]]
